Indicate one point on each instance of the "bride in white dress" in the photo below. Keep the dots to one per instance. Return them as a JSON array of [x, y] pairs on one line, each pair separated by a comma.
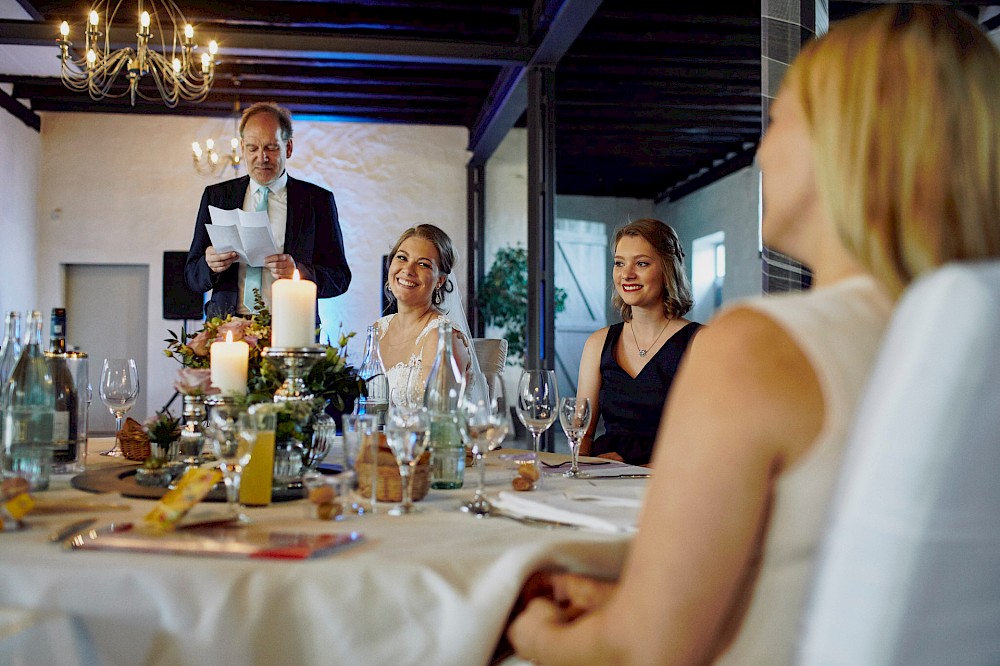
[[419, 267]]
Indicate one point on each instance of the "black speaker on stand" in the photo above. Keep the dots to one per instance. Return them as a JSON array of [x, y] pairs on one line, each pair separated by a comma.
[[179, 302]]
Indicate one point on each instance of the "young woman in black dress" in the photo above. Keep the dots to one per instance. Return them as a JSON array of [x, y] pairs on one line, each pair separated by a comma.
[[627, 368]]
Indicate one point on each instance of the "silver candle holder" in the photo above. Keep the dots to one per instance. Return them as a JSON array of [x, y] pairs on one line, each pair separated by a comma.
[[296, 362]]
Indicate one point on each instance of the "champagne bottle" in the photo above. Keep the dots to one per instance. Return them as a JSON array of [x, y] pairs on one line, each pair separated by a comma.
[[372, 373], [57, 331], [442, 398], [64, 417], [28, 411]]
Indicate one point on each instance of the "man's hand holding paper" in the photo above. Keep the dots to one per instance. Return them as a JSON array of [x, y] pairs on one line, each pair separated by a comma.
[[246, 233]]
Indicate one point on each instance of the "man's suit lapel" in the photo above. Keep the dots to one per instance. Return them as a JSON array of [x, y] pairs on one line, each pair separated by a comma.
[[296, 214]]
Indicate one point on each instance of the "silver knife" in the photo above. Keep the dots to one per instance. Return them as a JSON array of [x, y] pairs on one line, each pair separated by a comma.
[[596, 477], [72, 529], [78, 539]]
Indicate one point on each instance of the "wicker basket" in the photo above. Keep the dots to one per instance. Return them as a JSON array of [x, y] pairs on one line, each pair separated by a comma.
[[134, 441], [390, 485]]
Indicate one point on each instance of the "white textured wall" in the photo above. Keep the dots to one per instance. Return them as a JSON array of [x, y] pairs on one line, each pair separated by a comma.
[[121, 189], [20, 153]]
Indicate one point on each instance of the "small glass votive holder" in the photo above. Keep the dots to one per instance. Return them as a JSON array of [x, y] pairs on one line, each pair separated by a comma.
[[525, 470]]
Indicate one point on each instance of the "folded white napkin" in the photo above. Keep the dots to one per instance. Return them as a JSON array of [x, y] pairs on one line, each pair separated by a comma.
[[614, 508]]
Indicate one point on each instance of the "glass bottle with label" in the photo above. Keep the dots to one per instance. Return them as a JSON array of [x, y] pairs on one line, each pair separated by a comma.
[[65, 414], [376, 399], [442, 397], [29, 407]]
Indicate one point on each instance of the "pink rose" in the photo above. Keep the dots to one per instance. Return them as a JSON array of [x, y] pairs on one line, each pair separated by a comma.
[[199, 343], [235, 326], [194, 381]]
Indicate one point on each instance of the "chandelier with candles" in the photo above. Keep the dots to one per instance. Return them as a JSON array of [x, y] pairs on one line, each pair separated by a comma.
[[174, 68], [210, 161]]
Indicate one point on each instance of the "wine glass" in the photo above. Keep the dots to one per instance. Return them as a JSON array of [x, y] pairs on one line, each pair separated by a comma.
[[574, 415], [487, 422], [537, 402], [119, 391], [233, 434], [407, 432]]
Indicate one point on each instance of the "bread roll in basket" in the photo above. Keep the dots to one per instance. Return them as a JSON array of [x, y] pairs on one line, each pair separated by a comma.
[[389, 486]]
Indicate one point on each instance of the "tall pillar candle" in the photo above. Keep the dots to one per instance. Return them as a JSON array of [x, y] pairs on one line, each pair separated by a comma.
[[229, 365], [293, 317]]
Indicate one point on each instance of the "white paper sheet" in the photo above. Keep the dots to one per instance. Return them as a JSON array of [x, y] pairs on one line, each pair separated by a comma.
[[248, 233]]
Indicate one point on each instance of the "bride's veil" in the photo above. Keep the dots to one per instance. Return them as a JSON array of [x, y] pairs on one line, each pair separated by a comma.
[[452, 306]]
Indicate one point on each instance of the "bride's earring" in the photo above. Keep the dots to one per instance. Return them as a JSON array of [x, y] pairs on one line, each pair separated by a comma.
[[437, 298]]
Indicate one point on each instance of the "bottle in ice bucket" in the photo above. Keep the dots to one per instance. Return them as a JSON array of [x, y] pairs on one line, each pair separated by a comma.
[[29, 408], [376, 399], [442, 397]]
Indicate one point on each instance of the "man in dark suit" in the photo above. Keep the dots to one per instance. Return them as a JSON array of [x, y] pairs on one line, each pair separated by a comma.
[[302, 216]]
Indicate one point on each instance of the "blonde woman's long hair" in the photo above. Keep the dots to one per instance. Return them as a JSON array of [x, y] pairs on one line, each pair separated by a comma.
[[904, 111]]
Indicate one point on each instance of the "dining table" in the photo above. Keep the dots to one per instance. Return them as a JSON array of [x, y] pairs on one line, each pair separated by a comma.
[[435, 587]]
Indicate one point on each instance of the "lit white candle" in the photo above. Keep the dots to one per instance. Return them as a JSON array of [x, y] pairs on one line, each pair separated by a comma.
[[293, 317], [229, 365]]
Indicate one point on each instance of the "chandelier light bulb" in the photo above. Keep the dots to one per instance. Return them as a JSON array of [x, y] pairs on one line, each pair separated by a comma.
[[64, 29], [209, 144], [177, 65], [206, 62], [94, 18], [213, 47], [188, 32], [214, 157], [196, 149], [144, 20], [235, 143], [91, 58]]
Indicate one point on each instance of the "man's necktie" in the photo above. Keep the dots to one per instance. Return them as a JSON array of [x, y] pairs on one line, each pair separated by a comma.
[[254, 273]]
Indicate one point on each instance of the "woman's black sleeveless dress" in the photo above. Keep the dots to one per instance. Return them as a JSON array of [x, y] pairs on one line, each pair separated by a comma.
[[631, 407]]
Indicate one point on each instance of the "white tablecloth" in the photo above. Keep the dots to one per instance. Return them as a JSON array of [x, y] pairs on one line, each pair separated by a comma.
[[433, 588]]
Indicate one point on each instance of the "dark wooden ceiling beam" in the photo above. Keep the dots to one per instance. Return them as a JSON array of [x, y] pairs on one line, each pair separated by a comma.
[[564, 21], [304, 44]]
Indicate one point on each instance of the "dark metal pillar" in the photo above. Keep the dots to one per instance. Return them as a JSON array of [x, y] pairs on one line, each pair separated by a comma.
[[540, 336], [475, 243]]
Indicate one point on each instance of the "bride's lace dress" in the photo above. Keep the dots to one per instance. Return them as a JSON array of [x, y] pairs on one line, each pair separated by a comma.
[[399, 374]]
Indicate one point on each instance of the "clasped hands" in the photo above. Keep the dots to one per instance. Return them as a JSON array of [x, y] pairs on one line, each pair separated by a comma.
[[556, 598], [279, 265]]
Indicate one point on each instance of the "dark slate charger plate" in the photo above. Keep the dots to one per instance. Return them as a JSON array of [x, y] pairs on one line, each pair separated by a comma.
[[121, 479]]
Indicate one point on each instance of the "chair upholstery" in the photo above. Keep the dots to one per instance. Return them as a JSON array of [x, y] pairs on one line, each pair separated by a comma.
[[909, 569], [491, 353]]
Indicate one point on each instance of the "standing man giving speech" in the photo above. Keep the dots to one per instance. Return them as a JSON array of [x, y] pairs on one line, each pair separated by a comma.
[[303, 219]]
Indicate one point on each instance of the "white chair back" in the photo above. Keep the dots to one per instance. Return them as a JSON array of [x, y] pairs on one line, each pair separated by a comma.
[[491, 354], [909, 569]]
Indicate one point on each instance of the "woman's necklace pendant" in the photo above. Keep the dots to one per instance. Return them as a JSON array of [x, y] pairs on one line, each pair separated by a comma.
[[642, 352]]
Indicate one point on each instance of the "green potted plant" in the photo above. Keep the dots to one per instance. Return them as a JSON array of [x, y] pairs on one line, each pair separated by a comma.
[[503, 298]]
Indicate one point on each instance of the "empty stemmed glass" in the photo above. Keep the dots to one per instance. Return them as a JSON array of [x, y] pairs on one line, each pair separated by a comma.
[[406, 432], [233, 434], [119, 391], [574, 415], [487, 422], [537, 402]]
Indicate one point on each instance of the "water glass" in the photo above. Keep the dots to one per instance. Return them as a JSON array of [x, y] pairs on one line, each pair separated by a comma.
[[360, 435]]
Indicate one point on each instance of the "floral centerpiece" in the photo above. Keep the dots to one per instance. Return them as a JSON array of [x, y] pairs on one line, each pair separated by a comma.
[[332, 380]]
